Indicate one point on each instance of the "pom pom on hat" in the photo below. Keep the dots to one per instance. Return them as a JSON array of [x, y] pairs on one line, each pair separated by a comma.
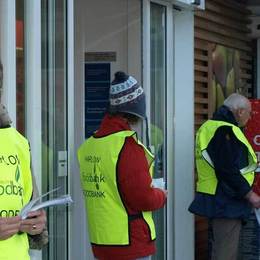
[[127, 96], [120, 77]]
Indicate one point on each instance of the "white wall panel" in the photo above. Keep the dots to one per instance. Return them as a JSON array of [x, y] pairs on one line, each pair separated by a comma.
[[8, 55]]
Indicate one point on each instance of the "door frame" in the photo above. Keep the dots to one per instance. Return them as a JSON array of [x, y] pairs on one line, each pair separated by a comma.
[[179, 122], [168, 225], [71, 115]]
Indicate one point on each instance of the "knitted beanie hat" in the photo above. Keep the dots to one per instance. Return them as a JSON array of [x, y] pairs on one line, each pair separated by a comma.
[[127, 96]]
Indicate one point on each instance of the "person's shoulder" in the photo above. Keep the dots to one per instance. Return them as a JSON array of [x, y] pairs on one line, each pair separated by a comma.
[[131, 140], [17, 132], [224, 132], [132, 143], [225, 128], [18, 135]]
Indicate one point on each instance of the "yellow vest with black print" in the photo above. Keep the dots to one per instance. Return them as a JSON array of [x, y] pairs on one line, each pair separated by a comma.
[[15, 189], [108, 221], [207, 181]]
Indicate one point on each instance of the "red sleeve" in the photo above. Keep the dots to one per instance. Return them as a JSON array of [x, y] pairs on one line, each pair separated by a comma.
[[135, 181]]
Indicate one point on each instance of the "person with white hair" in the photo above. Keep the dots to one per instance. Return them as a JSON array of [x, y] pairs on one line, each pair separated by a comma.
[[225, 163]]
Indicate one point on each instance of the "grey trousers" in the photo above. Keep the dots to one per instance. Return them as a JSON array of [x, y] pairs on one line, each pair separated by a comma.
[[225, 242]]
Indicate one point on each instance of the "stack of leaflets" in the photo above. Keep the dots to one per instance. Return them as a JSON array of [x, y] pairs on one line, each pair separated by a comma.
[[37, 204], [158, 183]]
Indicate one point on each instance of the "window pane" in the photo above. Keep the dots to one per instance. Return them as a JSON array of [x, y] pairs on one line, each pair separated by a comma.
[[54, 124]]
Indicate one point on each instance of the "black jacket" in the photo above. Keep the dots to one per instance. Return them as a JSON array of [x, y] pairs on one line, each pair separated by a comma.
[[228, 155]]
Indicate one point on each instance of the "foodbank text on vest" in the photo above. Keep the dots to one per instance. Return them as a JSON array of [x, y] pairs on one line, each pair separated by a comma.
[[8, 213], [11, 159], [94, 194], [93, 159], [11, 189], [94, 178]]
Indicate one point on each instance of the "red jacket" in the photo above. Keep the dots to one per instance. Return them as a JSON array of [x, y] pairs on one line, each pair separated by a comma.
[[137, 194]]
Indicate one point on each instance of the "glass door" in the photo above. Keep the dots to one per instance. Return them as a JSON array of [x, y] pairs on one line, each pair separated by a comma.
[[158, 64], [168, 66], [54, 121]]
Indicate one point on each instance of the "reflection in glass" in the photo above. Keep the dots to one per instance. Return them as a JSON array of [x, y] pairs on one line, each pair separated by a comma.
[[157, 125]]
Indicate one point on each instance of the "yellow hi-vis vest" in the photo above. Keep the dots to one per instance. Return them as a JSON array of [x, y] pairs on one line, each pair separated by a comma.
[[107, 217], [15, 189], [207, 181]]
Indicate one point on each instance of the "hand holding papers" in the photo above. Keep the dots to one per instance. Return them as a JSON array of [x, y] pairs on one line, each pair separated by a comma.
[[36, 204]]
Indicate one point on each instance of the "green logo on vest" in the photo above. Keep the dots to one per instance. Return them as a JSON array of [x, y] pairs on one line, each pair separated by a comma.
[[17, 174]]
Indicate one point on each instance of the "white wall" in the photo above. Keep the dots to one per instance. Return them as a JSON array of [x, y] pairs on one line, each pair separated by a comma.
[[115, 25]]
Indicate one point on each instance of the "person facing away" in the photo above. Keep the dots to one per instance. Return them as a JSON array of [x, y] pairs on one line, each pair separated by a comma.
[[16, 190], [116, 179], [225, 163]]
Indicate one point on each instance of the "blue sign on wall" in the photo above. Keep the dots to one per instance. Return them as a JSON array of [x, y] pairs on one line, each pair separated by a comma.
[[97, 83]]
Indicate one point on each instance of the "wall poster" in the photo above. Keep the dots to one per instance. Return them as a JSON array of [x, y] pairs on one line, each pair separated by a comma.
[[226, 74]]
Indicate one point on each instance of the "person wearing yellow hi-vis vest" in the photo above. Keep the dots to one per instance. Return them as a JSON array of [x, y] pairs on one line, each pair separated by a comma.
[[16, 189], [225, 164], [116, 176]]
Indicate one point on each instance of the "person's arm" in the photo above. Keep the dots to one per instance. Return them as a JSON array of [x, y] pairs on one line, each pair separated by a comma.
[[226, 152], [253, 198], [9, 227], [35, 224], [135, 181], [35, 219]]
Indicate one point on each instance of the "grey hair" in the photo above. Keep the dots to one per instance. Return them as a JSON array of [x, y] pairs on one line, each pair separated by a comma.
[[236, 101]]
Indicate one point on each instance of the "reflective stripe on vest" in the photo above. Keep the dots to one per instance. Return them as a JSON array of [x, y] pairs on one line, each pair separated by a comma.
[[207, 181], [15, 188], [108, 220]]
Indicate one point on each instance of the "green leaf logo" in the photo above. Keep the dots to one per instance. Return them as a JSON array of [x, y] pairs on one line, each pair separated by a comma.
[[17, 174]]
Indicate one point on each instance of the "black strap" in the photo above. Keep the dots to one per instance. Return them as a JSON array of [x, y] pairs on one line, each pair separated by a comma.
[[147, 134], [135, 216]]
